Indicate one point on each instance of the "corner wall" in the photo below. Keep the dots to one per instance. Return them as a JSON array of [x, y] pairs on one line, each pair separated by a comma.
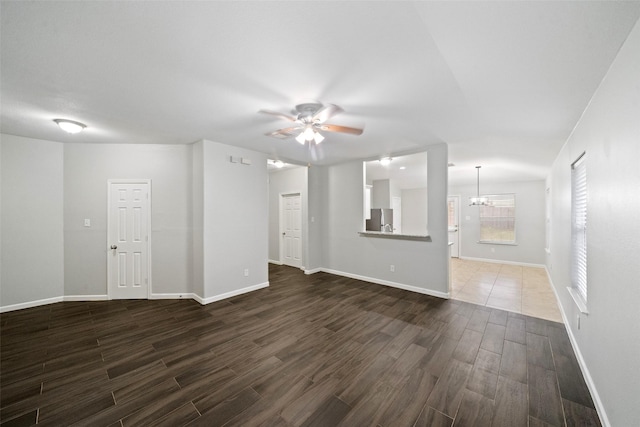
[[419, 266], [32, 221], [235, 223], [606, 342]]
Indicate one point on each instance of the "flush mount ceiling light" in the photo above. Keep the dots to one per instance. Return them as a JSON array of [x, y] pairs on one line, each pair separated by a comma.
[[278, 163], [385, 161], [478, 201], [70, 126]]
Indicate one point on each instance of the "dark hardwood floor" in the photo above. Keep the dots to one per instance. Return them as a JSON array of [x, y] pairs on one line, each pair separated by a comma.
[[317, 350]]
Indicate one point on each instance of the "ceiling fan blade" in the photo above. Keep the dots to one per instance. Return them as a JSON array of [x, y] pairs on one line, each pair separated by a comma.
[[342, 129], [326, 112], [284, 133], [278, 114]]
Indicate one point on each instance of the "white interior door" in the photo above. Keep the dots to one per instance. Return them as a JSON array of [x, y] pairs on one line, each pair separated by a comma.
[[291, 230], [128, 239], [453, 209]]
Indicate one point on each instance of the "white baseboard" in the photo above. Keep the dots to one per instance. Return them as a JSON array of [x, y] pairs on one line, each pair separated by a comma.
[[411, 288], [209, 300], [273, 261], [85, 297], [183, 295], [30, 304], [604, 420], [499, 261], [313, 271]]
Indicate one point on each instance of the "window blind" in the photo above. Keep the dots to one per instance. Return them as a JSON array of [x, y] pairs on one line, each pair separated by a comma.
[[579, 226]]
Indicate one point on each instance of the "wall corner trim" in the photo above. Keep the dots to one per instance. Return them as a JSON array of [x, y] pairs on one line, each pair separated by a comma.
[[209, 300]]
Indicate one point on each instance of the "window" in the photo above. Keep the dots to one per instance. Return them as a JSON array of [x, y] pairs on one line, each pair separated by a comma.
[[498, 219], [579, 232], [451, 213]]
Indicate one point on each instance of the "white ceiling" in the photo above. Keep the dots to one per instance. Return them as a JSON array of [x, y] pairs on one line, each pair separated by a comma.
[[503, 83]]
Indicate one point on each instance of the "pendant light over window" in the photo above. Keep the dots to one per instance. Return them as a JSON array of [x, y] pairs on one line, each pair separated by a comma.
[[478, 201]]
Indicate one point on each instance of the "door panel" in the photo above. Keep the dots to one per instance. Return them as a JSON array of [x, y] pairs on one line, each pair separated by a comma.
[[128, 240], [291, 230]]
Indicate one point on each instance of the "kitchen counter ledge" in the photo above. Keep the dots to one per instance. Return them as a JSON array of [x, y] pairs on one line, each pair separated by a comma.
[[398, 236]]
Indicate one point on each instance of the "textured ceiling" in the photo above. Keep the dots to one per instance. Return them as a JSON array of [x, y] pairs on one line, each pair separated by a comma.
[[503, 83]]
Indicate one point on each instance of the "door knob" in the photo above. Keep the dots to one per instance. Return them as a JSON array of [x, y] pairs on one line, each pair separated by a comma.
[[114, 247]]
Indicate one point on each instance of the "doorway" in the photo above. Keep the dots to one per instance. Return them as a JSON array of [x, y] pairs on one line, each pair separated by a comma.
[[128, 239], [453, 215], [291, 229]]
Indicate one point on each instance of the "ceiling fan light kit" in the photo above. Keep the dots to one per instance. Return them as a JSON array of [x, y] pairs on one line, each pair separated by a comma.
[[309, 119]]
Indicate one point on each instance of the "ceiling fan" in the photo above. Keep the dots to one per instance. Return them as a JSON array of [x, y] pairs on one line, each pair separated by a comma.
[[308, 119]]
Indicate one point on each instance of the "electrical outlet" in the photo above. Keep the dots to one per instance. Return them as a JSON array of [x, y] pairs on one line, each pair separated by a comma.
[[87, 222], [493, 250], [392, 268], [246, 272]]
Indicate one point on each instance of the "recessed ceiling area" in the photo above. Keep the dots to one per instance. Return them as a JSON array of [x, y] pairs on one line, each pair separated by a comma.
[[502, 83]]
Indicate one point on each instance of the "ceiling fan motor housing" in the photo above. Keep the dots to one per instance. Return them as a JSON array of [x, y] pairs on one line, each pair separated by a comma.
[[306, 111]]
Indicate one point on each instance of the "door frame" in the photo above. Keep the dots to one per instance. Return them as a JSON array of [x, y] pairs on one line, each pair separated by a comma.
[[281, 197], [459, 232], [107, 244]]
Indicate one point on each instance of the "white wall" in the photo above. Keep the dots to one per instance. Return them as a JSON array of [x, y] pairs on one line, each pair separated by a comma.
[[87, 167], [608, 339], [317, 208], [209, 218], [530, 223], [32, 218], [420, 266], [380, 194], [235, 229], [289, 181], [414, 211]]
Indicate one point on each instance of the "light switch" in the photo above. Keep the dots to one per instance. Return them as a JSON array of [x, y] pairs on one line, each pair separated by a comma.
[[467, 218], [87, 222]]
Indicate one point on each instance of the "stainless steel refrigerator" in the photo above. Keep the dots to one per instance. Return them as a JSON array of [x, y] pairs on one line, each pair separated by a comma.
[[381, 220]]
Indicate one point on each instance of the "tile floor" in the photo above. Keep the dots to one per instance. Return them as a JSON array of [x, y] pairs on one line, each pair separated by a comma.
[[524, 290]]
